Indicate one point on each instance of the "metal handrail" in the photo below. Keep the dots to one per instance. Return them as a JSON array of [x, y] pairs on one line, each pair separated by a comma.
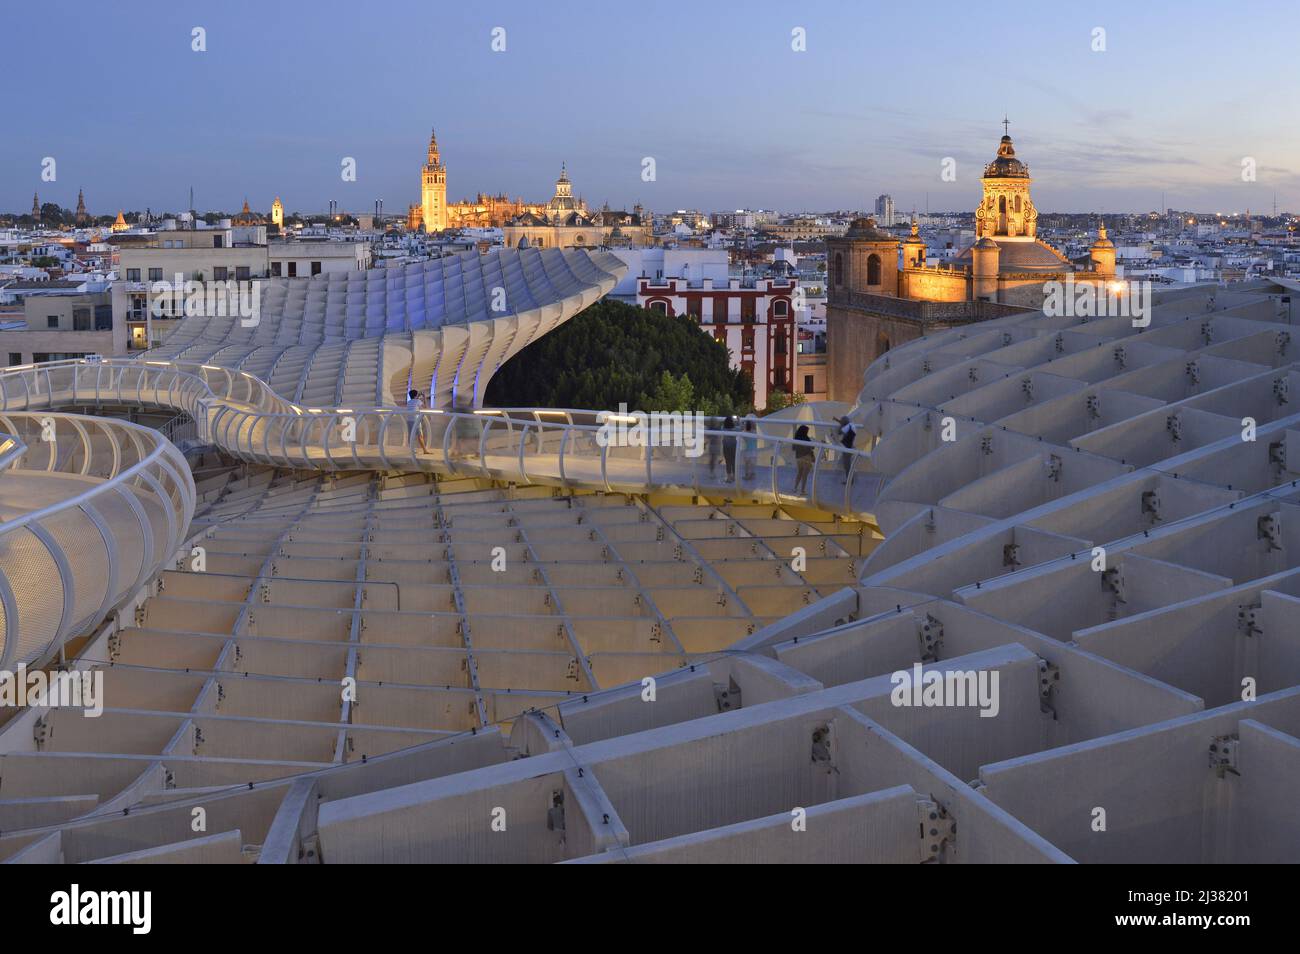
[[155, 472]]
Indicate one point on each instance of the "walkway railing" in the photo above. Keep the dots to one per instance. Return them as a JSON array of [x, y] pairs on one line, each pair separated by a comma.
[[112, 502], [240, 414]]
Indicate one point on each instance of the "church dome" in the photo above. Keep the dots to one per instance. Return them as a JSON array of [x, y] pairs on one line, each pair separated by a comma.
[[1006, 165], [864, 230]]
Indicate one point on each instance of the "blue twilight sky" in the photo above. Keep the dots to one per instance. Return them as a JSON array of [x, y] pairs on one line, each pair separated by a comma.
[[712, 90]]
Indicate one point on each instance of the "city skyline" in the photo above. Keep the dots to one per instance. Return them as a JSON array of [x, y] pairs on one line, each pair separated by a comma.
[[732, 115]]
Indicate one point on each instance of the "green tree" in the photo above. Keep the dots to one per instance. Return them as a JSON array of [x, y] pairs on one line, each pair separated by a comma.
[[778, 400], [671, 394], [617, 353]]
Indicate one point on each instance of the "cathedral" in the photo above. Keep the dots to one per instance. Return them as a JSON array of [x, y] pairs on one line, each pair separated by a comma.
[[562, 222], [435, 214], [881, 293], [565, 222]]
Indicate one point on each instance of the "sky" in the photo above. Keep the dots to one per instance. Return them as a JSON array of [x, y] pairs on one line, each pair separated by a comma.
[[714, 92]]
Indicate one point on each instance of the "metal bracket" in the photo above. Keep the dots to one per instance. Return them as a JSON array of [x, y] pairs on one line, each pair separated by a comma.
[[1011, 554], [1269, 529], [986, 444], [727, 696], [555, 814], [1048, 676], [1223, 755], [1281, 390], [42, 731], [1277, 454], [929, 632], [1249, 617], [1193, 369], [1174, 425], [1151, 505], [821, 747], [1113, 581], [1053, 466], [937, 828], [1121, 357]]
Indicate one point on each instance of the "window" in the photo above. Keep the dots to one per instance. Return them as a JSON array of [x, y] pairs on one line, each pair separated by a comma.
[[133, 274], [218, 273], [807, 384], [839, 269], [293, 269], [15, 357], [51, 321], [155, 275], [659, 306], [781, 308], [242, 273], [81, 319], [873, 269], [218, 241], [275, 269], [315, 268]]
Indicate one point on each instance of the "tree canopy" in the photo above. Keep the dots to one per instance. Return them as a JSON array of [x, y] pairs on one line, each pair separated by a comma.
[[616, 353]]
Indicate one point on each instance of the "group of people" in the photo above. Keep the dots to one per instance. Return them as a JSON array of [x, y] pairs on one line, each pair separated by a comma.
[[725, 446], [733, 438]]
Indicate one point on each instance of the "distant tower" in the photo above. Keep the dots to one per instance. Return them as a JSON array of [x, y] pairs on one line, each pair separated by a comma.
[[82, 216], [36, 207], [1102, 254], [433, 189], [1006, 210], [914, 247], [277, 213], [984, 268], [885, 210], [120, 225]]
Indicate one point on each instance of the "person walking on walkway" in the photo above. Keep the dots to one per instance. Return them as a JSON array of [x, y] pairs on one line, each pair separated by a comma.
[[415, 402], [749, 447], [729, 448], [848, 434], [803, 459]]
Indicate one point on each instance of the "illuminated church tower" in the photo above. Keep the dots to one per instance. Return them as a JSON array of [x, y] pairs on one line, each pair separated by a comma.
[[277, 213], [433, 190], [1006, 210]]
